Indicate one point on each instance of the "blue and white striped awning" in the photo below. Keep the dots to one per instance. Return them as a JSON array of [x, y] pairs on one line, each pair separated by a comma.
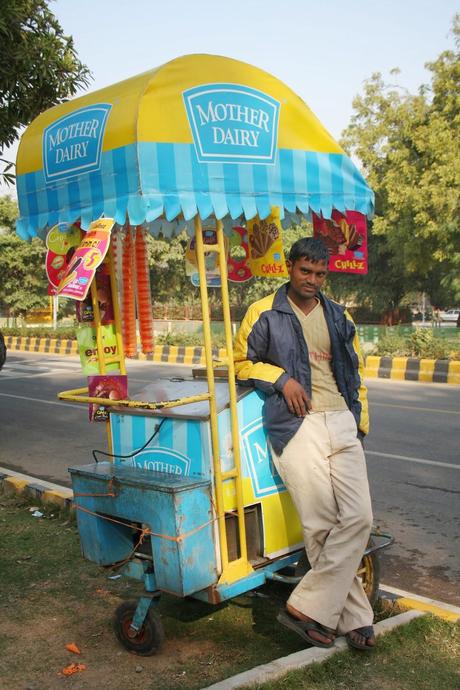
[[148, 181]]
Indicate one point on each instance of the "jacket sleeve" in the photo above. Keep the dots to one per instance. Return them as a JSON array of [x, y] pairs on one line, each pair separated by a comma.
[[363, 426], [250, 354]]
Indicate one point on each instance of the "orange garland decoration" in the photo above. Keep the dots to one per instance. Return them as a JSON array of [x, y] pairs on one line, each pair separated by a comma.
[[144, 297], [128, 301]]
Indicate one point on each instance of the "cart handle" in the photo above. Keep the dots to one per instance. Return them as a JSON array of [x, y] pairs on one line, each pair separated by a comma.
[[80, 395]]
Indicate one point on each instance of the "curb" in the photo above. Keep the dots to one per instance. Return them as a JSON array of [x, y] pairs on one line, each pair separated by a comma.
[[413, 369], [279, 667], [170, 354], [12, 482], [395, 368], [409, 600]]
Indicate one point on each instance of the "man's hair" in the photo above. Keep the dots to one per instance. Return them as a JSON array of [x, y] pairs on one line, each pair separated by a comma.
[[309, 248]]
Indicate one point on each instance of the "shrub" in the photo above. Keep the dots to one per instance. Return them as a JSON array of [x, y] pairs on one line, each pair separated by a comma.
[[421, 343], [182, 338], [63, 333]]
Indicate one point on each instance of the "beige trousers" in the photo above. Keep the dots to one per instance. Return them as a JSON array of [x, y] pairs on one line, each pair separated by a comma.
[[324, 469]]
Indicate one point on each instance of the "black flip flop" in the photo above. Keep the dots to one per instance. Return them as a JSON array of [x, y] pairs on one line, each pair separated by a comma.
[[302, 627], [367, 632]]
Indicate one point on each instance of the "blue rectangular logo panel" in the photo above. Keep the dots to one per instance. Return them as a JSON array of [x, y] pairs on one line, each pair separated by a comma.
[[264, 477], [232, 123], [72, 145]]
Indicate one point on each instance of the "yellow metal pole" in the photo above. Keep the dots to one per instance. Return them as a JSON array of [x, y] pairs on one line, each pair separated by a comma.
[[97, 324], [212, 393], [232, 390], [100, 348], [116, 308]]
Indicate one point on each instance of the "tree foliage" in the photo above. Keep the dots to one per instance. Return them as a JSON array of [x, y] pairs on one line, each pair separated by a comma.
[[39, 67], [409, 147], [8, 214], [22, 267]]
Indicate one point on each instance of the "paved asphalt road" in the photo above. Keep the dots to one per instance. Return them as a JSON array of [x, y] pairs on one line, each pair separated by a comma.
[[412, 451]]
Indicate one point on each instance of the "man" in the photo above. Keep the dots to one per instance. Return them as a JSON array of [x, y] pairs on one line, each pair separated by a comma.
[[302, 350]]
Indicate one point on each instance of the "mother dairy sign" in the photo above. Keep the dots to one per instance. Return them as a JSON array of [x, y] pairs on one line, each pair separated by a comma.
[[72, 144], [232, 123]]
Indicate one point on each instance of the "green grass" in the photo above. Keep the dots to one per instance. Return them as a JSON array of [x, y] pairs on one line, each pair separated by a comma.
[[51, 596], [423, 655]]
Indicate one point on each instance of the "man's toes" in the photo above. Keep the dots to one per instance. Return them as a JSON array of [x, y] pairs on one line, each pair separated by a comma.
[[361, 640], [320, 638]]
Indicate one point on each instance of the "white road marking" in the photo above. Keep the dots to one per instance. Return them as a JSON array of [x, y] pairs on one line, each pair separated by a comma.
[[413, 407], [406, 458], [40, 400]]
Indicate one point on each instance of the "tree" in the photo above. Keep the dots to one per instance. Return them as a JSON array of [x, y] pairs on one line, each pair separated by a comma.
[[39, 68], [409, 146], [8, 214], [22, 266]]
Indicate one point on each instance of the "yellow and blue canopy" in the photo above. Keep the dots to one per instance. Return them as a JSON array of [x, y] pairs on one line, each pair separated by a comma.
[[201, 134]]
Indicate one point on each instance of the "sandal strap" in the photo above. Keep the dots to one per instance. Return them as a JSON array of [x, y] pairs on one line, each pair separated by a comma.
[[309, 625], [366, 631], [317, 627]]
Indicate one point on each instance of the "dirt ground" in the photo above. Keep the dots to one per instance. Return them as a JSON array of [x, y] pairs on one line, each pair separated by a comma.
[[51, 596]]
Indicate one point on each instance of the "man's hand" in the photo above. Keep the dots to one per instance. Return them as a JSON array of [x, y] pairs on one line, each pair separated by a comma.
[[297, 399]]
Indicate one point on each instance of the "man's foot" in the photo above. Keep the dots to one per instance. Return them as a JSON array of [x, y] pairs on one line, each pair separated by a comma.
[[361, 638], [309, 630]]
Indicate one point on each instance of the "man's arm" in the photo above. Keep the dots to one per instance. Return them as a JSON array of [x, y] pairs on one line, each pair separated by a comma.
[[250, 354]]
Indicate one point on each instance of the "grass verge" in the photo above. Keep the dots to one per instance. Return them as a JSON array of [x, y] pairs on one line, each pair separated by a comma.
[[423, 655], [52, 597]]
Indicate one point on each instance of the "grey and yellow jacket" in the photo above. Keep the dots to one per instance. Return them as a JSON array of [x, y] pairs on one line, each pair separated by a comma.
[[270, 349]]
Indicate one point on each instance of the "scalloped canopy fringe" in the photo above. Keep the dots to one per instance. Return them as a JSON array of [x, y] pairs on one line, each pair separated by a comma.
[[144, 182]]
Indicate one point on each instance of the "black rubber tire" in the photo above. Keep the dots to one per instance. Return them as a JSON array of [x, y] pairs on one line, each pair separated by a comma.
[[149, 639], [369, 571], [2, 350]]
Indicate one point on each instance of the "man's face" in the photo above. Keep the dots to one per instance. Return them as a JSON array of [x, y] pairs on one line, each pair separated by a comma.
[[306, 277]]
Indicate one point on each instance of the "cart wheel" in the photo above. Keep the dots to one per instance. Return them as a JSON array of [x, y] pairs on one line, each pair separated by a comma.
[[148, 640], [368, 571]]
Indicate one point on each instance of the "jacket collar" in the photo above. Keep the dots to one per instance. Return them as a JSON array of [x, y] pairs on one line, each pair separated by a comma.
[[281, 303]]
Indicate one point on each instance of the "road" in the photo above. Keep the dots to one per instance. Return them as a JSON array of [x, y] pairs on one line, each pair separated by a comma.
[[412, 452]]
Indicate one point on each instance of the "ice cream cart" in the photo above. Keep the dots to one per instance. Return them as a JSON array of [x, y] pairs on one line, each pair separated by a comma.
[[186, 499]]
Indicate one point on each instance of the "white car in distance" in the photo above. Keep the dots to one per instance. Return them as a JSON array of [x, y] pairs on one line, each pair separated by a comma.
[[450, 315]]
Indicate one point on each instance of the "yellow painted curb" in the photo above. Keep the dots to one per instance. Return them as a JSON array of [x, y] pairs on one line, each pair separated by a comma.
[[398, 368], [429, 608], [56, 498], [426, 370], [12, 485], [45, 492], [454, 373], [371, 367]]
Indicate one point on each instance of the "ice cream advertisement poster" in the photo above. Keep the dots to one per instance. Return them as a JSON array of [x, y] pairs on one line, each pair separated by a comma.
[[87, 257], [266, 255], [61, 242], [345, 236], [87, 347], [114, 387]]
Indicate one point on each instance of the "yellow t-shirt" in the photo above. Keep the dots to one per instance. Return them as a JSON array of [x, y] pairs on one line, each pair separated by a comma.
[[325, 395]]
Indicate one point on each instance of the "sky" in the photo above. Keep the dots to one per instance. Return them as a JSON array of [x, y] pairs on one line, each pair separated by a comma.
[[323, 49]]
